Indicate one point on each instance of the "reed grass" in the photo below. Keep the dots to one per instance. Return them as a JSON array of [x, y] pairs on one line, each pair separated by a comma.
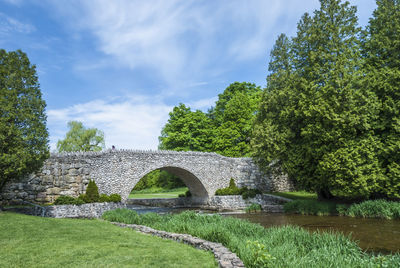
[[375, 209], [287, 246]]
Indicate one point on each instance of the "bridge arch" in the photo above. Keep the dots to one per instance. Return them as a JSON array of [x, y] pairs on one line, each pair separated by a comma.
[[193, 182]]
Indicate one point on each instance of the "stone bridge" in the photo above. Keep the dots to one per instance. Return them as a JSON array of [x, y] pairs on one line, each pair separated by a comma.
[[118, 171]]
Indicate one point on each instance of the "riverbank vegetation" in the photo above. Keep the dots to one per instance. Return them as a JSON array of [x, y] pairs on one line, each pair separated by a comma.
[[367, 209], [28, 241], [263, 247]]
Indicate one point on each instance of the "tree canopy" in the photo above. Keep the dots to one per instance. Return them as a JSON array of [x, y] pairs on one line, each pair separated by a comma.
[[79, 138], [224, 129], [23, 132]]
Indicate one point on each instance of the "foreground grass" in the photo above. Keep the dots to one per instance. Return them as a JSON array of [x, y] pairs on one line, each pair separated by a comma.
[[28, 241], [263, 247], [158, 193]]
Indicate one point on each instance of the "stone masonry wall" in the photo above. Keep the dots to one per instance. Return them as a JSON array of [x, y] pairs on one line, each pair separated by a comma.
[[119, 171]]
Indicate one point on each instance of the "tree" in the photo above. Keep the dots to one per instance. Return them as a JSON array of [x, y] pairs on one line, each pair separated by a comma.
[[315, 119], [79, 138], [233, 118], [186, 131], [225, 129], [23, 133], [381, 48]]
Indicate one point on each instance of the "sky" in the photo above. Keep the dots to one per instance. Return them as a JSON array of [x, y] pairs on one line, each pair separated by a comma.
[[121, 66]]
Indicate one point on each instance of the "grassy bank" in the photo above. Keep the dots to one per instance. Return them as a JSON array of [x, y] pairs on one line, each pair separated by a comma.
[[28, 241], [158, 193], [263, 247]]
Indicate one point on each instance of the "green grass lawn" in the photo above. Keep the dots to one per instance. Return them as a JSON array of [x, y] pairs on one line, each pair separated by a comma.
[[299, 195], [28, 241], [158, 193]]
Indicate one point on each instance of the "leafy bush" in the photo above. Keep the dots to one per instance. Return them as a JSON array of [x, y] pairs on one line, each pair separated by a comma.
[[234, 190], [68, 200], [84, 198], [92, 192], [375, 209], [64, 200], [287, 246], [114, 198], [104, 198]]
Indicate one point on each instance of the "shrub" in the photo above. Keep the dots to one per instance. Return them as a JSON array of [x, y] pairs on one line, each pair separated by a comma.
[[234, 190], [68, 200], [114, 198], [92, 192], [232, 183], [375, 209], [64, 200], [104, 198]]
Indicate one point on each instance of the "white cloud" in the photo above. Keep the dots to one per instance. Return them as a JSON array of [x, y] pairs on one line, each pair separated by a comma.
[[132, 122], [183, 40], [9, 24]]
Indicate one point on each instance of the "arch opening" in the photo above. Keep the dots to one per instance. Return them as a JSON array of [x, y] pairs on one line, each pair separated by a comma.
[[176, 176]]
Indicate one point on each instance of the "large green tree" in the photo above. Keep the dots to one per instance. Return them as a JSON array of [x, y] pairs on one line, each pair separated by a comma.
[[225, 129], [80, 138], [23, 133], [186, 131], [315, 118], [382, 66], [233, 117]]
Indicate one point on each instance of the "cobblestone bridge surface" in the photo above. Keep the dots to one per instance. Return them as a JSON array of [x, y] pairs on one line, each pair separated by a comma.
[[118, 171]]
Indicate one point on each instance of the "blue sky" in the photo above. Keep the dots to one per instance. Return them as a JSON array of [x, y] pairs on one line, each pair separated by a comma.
[[121, 66]]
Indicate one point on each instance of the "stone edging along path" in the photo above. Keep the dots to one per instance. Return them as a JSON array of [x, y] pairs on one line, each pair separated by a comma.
[[225, 258]]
